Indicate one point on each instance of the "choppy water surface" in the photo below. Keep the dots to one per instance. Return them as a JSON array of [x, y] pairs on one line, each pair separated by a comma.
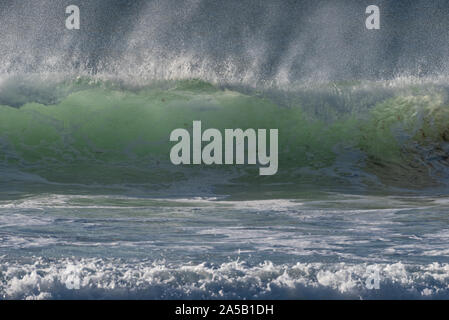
[[127, 247]]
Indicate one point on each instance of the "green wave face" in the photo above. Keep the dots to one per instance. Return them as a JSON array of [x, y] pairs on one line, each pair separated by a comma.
[[87, 131]]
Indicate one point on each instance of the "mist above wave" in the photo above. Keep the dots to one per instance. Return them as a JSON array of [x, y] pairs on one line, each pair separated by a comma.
[[268, 43]]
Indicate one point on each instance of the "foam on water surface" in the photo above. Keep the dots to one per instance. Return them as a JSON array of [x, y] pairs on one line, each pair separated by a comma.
[[128, 247], [99, 278]]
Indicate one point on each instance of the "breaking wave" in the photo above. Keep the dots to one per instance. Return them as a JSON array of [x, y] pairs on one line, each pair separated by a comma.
[[87, 130], [96, 106]]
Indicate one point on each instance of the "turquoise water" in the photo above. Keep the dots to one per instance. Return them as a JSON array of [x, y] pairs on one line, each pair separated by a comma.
[[91, 207]]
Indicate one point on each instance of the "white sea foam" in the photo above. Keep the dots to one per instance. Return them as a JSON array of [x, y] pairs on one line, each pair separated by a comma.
[[42, 278], [73, 202], [317, 235]]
